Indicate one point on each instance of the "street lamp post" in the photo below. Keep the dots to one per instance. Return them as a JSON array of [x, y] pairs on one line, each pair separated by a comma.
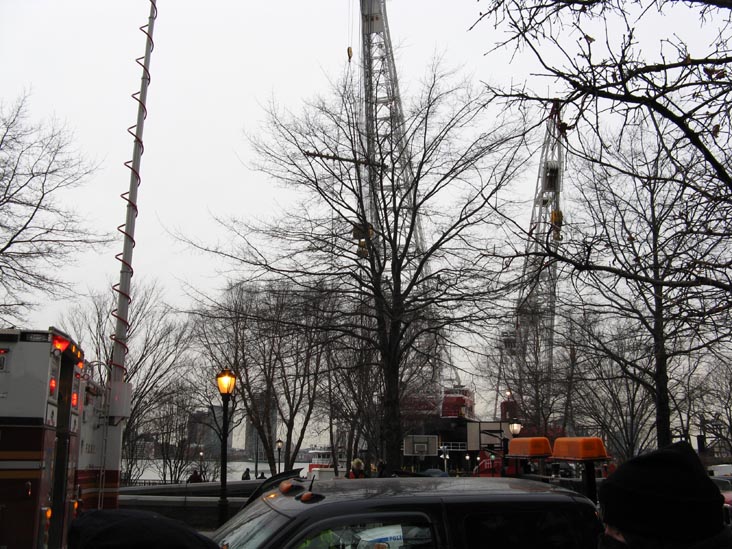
[[279, 453], [514, 427], [256, 455], [226, 382]]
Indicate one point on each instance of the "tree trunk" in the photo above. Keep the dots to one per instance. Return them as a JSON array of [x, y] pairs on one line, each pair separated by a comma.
[[392, 427]]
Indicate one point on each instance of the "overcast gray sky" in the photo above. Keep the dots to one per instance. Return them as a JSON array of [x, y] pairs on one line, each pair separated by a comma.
[[213, 67]]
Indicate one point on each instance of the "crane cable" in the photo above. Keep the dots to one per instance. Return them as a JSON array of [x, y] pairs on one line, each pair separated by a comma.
[[349, 24]]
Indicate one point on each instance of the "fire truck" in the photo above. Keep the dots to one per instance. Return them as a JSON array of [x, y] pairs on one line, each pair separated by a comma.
[[60, 437]]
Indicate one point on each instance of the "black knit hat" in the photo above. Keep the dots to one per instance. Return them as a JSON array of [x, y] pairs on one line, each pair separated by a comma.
[[664, 495]]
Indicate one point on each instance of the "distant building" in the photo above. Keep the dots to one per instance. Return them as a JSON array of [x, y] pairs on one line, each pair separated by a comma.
[[252, 441], [203, 435]]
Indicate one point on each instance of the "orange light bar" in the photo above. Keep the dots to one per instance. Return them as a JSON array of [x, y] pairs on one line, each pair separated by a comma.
[[530, 447], [579, 448], [60, 343]]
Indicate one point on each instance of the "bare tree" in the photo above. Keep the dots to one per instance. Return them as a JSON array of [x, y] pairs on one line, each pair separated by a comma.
[[270, 338], [38, 232], [637, 220], [606, 402], [654, 242], [159, 352], [597, 56], [401, 247], [169, 424], [715, 421]]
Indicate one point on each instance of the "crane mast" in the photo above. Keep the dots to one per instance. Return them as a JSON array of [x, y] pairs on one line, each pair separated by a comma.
[[391, 188], [384, 121], [533, 341]]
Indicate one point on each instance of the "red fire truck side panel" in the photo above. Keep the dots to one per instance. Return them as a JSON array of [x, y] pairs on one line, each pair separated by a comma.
[[26, 452]]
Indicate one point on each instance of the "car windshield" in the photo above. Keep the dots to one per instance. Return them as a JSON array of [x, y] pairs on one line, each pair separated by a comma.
[[251, 528]]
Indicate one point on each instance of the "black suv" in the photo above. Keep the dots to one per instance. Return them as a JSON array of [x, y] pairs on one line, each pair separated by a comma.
[[438, 513]]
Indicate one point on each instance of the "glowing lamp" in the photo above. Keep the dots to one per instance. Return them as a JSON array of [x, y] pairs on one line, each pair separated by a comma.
[[226, 381]]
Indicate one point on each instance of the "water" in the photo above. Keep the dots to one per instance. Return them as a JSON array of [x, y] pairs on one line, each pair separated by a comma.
[[234, 470]]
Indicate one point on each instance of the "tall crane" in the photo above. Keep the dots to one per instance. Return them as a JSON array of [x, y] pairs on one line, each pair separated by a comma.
[[386, 139], [532, 343], [384, 119]]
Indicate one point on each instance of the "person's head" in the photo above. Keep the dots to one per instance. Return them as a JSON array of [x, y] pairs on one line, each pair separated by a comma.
[[663, 496], [357, 464]]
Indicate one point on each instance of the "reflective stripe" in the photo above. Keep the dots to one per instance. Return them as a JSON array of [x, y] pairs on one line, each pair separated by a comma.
[[20, 474], [30, 465], [20, 454]]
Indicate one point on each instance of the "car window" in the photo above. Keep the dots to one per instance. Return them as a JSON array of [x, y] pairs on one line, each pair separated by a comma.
[[381, 534], [550, 528], [251, 528]]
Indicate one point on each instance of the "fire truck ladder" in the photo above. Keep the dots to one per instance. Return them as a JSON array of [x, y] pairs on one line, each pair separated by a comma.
[[112, 443]]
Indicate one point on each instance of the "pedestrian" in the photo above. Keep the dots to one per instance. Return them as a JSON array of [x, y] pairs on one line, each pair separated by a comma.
[[245, 475], [356, 469], [381, 470], [195, 477], [663, 499], [261, 476]]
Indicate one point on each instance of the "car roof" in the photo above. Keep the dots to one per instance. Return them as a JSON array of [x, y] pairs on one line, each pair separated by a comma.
[[370, 493]]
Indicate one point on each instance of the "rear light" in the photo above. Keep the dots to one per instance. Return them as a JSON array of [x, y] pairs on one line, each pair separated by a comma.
[[75, 400], [60, 343], [46, 513], [52, 387]]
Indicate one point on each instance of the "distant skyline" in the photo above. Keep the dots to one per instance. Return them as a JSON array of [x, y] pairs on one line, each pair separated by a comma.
[[213, 68]]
